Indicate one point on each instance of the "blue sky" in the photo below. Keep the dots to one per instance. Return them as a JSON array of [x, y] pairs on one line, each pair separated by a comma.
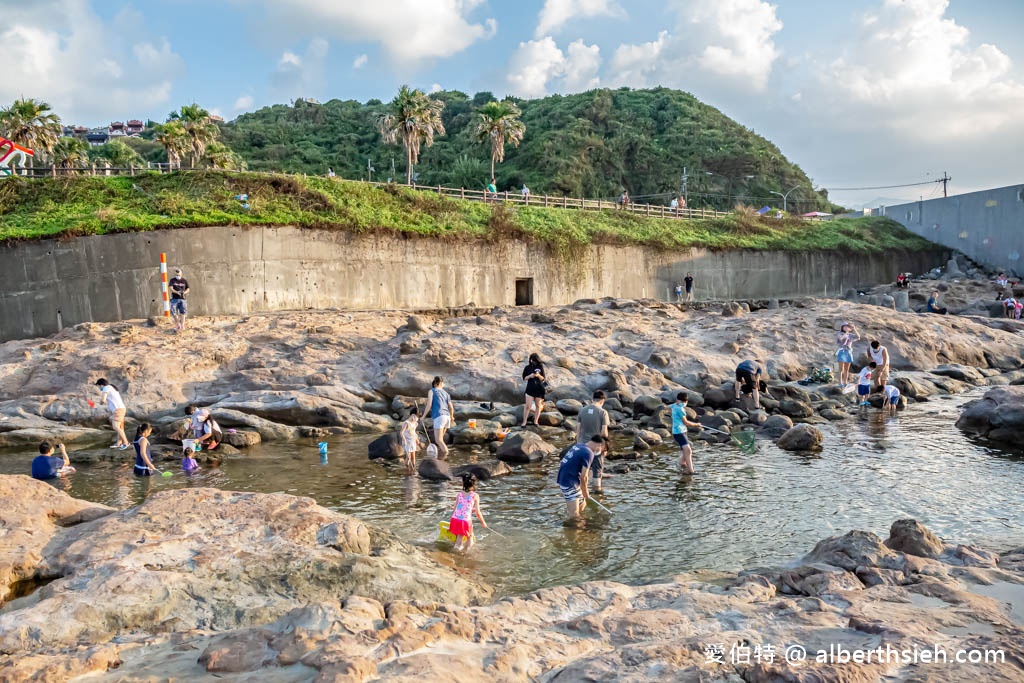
[[859, 93]]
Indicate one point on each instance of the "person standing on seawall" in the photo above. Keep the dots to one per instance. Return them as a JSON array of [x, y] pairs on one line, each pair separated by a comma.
[[115, 406], [179, 290], [439, 403], [688, 280], [536, 391]]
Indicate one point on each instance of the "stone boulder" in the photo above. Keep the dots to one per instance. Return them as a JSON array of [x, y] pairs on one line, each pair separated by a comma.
[[171, 563], [794, 408], [902, 300], [647, 405], [523, 448], [385, 448], [964, 373], [855, 549], [998, 415], [485, 470], [776, 425], [242, 438], [434, 469], [801, 437], [734, 309], [913, 538], [648, 437], [485, 431], [719, 398], [757, 417], [569, 406]]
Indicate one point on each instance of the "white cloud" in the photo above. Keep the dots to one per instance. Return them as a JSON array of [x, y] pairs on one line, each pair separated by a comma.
[[408, 30], [726, 43], [301, 75], [436, 87], [88, 69], [914, 70], [244, 103], [540, 64], [556, 13], [360, 61]]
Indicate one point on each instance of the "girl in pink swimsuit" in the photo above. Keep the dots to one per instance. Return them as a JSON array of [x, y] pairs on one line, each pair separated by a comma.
[[461, 523]]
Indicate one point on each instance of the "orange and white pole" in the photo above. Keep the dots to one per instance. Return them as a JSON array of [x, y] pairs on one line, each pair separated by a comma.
[[163, 284]]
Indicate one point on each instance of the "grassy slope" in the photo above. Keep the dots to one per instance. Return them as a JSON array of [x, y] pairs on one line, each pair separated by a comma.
[[79, 206]]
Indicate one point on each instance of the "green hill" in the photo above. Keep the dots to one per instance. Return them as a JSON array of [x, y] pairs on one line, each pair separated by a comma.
[[592, 144], [84, 205]]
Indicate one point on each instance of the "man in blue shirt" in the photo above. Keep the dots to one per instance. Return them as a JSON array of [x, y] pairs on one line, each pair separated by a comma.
[[48, 466], [573, 472]]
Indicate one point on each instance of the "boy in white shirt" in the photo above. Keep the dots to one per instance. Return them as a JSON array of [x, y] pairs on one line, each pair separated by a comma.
[[864, 382]]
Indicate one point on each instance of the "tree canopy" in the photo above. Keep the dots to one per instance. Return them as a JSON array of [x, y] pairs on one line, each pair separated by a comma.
[[592, 144]]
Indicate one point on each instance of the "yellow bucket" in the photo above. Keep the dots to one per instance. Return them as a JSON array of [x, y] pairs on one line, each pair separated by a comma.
[[444, 534]]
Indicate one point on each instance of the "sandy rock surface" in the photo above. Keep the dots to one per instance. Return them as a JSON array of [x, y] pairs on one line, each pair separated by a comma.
[[274, 588]]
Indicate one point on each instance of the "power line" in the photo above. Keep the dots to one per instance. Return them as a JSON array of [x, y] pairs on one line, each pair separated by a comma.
[[887, 187]]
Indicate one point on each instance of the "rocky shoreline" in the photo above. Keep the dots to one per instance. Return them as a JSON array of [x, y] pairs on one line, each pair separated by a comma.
[[301, 375], [203, 584]]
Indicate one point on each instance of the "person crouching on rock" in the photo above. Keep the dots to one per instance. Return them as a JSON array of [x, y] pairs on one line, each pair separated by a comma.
[[210, 433], [748, 379], [197, 415], [409, 440], [536, 391], [46, 465], [573, 472], [439, 403], [143, 465], [466, 504], [890, 398]]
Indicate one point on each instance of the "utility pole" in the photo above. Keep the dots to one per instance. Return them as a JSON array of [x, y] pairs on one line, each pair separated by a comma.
[[945, 182], [683, 189]]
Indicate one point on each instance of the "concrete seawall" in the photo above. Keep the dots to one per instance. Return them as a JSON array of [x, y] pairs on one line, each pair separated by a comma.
[[51, 284]]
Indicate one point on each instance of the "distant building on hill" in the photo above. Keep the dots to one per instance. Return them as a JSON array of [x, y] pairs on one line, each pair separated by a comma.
[[102, 135], [98, 136]]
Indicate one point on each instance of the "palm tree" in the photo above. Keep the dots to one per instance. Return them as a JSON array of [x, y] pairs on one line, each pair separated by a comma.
[[414, 120], [175, 140], [200, 128], [498, 125], [31, 123], [219, 155], [70, 153]]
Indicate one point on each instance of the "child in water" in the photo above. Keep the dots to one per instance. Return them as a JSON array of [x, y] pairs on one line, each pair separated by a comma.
[[466, 503], [409, 441], [864, 382], [188, 456]]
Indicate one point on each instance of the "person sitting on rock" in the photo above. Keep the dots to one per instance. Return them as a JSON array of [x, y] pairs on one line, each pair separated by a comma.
[[933, 304], [573, 472], [48, 466], [748, 380], [901, 280]]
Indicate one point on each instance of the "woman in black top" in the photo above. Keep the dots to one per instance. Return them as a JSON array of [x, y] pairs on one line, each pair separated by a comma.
[[533, 373]]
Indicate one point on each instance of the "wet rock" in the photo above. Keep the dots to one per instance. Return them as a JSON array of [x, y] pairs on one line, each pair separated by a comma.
[[793, 408], [242, 438], [913, 538], [385, 448], [647, 405], [776, 425], [524, 447], [719, 398], [485, 431], [802, 437], [648, 437], [998, 415], [964, 373], [819, 579], [757, 417], [569, 406], [855, 549], [833, 414], [485, 470], [434, 469]]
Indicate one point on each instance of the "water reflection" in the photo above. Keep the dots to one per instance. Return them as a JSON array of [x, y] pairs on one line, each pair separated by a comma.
[[739, 511]]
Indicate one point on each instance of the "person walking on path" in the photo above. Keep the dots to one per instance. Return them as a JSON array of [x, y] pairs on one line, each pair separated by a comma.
[[844, 351], [143, 465], [115, 406], [48, 466], [594, 421], [688, 280], [179, 291], [679, 424], [536, 389], [879, 355], [439, 403], [748, 379], [573, 472]]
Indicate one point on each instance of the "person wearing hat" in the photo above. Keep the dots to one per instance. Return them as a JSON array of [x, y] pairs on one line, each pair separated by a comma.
[[844, 353], [179, 290]]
